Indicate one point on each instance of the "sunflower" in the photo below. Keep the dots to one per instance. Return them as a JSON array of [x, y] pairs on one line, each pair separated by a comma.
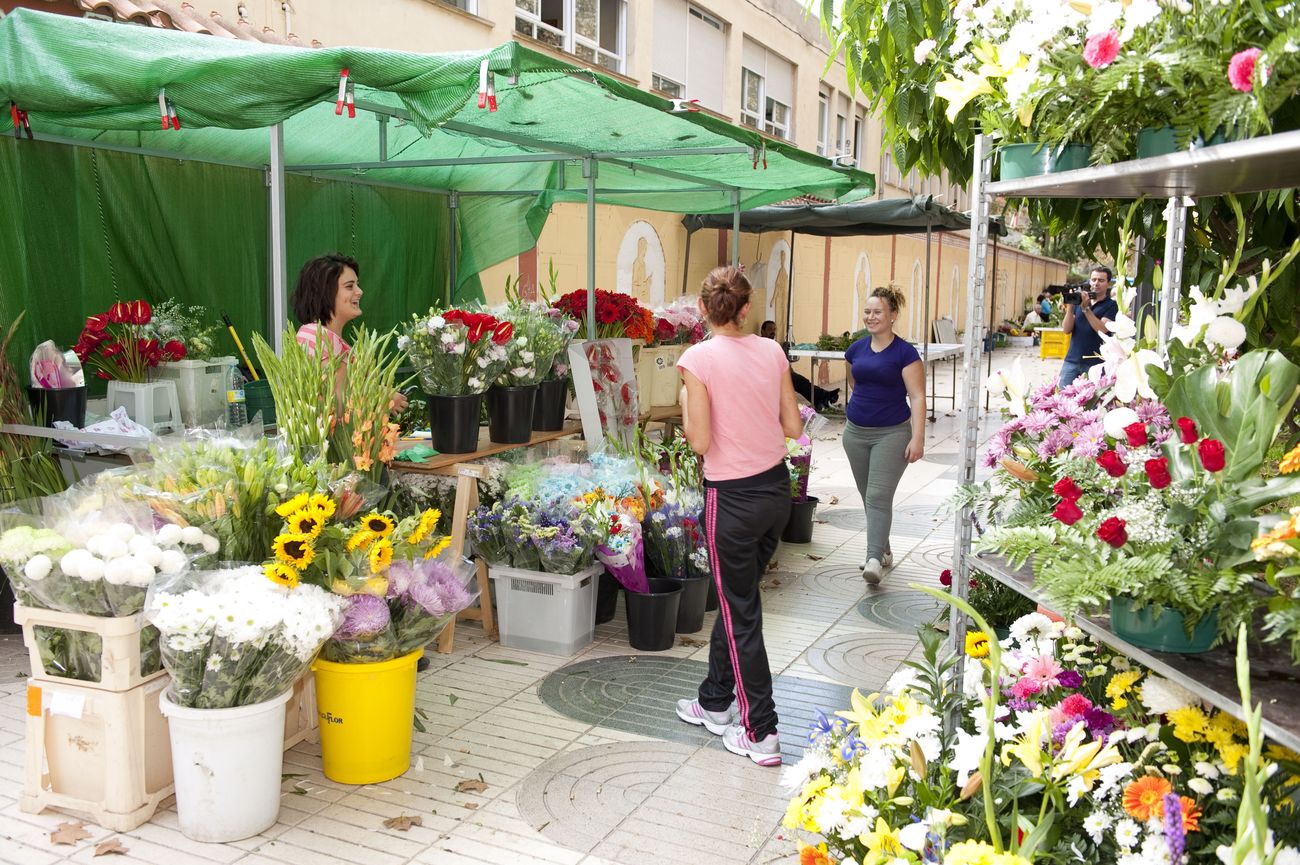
[[294, 504], [437, 548], [308, 521], [428, 522], [294, 550], [1145, 797], [281, 574], [977, 644], [324, 503], [381, 556], [380, 524], [361, 540]]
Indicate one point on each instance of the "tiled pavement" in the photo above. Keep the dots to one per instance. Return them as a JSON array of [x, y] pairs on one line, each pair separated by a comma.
[[583, 758]]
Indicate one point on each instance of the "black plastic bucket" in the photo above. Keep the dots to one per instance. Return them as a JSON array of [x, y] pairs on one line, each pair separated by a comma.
[[652, 616], [510, 413], [548, 410], [454, 422], [58, 403], [799, 527], [690, 612]]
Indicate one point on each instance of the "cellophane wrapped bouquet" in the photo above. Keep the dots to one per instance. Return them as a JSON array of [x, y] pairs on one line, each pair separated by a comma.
[[455, 351], [539, 335], [233, 637], [679, 322], [92, 554]]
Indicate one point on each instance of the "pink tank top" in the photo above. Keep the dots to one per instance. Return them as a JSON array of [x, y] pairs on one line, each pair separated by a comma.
[[743, 377]]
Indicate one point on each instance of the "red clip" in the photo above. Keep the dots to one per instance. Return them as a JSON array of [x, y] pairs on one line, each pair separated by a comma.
[[21, 124], [343, 91], [492, 92], [171, 113], [483, 84], [681, 105], [162, 108]]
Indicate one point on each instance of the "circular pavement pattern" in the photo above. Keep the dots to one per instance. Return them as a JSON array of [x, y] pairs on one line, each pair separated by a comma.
[[936, 556], [863, 659], [843, 518], [899, 609], [841, 581], [577, 798], [639, 693]]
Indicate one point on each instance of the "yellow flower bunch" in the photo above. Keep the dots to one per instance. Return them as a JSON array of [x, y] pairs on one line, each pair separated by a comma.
[[1120, 685], [980, 853]]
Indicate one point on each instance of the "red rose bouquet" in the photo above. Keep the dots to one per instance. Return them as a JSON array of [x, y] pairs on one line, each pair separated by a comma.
[[117, 344], [617, 314]]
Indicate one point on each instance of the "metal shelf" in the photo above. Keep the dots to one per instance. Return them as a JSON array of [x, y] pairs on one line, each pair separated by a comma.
[[1253, 165], [1212, 676]]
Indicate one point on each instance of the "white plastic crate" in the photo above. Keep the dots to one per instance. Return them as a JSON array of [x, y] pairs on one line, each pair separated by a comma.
[[121, 642], [200, 387], [542, 612], [105, 755]]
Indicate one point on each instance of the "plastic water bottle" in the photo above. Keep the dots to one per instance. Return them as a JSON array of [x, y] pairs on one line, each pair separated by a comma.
[[236, 409]]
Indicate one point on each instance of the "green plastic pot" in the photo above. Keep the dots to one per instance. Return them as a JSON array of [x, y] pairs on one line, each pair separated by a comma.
[[1164, 140], [1161, 628], [1031, 160]]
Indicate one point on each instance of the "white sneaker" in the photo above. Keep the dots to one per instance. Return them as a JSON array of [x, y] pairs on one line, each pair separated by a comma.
[[716, 723], [765, 753], [872, 571], [888, 560]]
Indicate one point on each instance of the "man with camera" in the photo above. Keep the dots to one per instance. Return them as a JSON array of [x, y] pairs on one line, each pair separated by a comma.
[[1088, 311]]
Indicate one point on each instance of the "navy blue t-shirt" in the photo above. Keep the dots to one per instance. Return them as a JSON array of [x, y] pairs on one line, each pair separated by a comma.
[[1085, 343], [879, 395]]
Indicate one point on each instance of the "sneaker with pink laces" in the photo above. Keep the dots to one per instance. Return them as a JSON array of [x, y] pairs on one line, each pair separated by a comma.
[[716, 723], [765, 752]]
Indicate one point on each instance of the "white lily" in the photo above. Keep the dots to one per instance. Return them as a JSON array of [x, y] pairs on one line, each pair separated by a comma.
[[1234, 299], [1226, 332], [1131, 376], [1011, 385], [1123, 327]]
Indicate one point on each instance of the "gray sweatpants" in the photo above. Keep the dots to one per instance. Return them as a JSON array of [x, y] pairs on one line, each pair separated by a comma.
[[877, 458]]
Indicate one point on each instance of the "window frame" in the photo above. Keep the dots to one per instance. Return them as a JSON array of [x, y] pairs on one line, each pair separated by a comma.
[[823, 122], [756, 118], [569, 37]]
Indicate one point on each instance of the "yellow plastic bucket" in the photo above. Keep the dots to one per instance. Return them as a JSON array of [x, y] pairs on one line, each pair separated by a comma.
[[367, 714]]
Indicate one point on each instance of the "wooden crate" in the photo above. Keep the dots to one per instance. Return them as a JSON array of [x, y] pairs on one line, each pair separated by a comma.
[[102, 755], [119, 661], [301, 723]]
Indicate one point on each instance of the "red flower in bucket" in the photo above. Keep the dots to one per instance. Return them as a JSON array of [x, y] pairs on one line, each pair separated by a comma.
[[117, 344]]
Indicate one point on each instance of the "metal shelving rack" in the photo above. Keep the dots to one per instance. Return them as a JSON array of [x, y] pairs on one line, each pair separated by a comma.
[[1254, 165]]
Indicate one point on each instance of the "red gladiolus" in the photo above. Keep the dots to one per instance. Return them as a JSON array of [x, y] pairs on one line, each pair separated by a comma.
[[1241, 69], [1112, 531], [502, 332], [1187, 430], [1136, 433], [945, 577], [1113, 464], [1212, 454], [1158, 472], [1067, 489], [1067, 512]]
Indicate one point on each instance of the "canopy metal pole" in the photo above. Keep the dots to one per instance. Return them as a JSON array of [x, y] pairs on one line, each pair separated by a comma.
[[686, 265], [789, 296], [383, 136], [735, 228], [279, 270], [453, 214], [589, 172], [925, 320]]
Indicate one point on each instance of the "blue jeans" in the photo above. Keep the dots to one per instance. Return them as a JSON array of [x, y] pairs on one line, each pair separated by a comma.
[[1070, 370]]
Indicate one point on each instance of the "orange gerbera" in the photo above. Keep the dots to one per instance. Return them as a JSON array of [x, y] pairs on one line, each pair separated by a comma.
[[810, 855], [1191, 814], [1145, 797]]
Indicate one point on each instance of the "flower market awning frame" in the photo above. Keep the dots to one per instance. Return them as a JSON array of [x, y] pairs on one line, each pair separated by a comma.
[[1254, 165], [503, 134]]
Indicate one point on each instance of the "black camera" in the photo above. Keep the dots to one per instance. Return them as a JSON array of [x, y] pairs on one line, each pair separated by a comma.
[[1073, 294]]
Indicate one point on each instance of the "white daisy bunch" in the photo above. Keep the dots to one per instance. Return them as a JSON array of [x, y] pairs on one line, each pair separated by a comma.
[[233, 637]]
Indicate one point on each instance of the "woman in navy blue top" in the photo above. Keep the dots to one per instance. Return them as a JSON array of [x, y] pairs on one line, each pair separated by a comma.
[[885, 430]]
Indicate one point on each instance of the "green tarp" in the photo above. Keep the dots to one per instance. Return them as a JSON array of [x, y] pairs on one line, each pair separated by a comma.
[[88, 81]]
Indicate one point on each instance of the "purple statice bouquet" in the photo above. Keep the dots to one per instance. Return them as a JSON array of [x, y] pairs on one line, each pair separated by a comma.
[[559, 537], [673, 535], [395, 616]]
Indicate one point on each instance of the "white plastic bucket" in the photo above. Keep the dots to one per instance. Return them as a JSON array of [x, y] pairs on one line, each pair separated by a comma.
[[227, 765]]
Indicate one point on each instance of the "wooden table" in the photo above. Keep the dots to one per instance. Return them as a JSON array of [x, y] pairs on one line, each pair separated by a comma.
[[468, 474]]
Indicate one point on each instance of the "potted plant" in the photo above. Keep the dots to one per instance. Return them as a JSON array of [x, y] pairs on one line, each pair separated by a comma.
[[399, 590], [458, 355], [119, 347], [234, 643]]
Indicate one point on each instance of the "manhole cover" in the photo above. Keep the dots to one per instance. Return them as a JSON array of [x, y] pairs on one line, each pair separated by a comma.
[[863, 659], [899, 609]]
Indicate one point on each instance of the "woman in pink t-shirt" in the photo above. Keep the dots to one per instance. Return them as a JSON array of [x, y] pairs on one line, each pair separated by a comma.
[[737, 410]]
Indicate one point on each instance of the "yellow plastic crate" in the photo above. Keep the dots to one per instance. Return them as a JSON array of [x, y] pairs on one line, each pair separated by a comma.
[[1053, 342]]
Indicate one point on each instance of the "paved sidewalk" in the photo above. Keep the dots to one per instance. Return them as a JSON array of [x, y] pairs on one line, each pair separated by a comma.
[[583, 758]]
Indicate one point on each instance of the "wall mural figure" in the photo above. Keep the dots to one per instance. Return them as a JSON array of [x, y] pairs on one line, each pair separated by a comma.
[[778, 287], [641, 264], [861, 291]]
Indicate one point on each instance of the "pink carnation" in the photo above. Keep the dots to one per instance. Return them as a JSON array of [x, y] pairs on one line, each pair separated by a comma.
[[1241, 69], [1025, 688], [1101, 49]]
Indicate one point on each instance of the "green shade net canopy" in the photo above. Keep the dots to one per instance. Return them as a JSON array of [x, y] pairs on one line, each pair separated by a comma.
[[854, 219], [419, 143]]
